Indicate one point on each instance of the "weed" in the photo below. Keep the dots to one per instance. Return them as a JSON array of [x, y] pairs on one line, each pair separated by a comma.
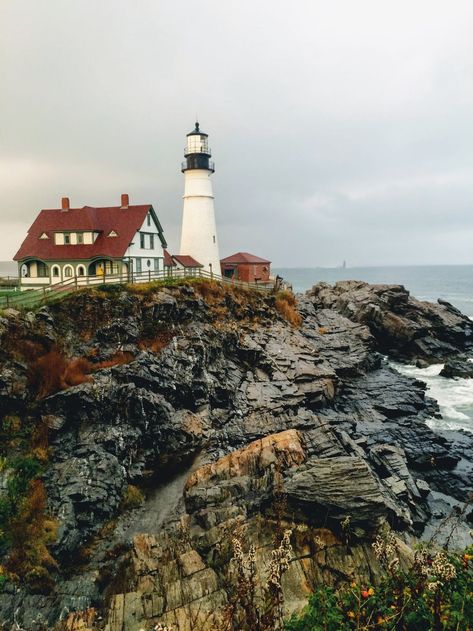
[[285, 304], [133, 497]]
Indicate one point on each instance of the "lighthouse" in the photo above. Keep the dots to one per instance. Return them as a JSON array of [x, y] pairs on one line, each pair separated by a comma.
[[199, 230]]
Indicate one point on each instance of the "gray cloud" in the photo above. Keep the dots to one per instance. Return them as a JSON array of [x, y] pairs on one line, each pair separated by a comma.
[[339, 130]]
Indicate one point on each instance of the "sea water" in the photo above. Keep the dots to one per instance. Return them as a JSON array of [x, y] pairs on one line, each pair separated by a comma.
[[453, 283]]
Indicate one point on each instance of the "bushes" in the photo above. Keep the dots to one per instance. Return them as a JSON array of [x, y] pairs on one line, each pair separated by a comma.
[[285, 304], [132, 497], [160, 340], [435, 593], [53, 372], [31, 532]]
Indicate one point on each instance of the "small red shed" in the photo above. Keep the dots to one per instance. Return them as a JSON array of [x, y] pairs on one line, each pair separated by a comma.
[[246, 267]]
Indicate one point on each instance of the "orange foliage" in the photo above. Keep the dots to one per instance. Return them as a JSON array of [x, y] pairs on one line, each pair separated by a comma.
[[285, 304], [115, 360], [157, 344], [52, 372]]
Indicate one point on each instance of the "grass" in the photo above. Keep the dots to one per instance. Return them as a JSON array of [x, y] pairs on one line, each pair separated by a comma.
[[285, 304], [53, 372]]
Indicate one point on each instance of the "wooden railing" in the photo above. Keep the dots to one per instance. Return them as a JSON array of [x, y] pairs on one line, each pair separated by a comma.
[[50, 293]]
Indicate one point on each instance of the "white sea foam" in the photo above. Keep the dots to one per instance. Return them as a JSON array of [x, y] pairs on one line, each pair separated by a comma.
[[454, 396]]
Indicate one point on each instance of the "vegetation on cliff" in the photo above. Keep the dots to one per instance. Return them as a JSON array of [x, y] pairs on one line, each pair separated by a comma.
[[435, 593], [142, 425]]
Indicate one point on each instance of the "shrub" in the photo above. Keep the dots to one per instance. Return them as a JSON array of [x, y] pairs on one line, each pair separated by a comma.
[[133, 497], [117, 359], [156, 344], [45, 375], [31, 532], [76, 372], [52, 372], [435, 593], [285, 304]]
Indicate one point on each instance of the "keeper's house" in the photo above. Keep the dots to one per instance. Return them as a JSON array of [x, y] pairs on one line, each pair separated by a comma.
[[90, 243]]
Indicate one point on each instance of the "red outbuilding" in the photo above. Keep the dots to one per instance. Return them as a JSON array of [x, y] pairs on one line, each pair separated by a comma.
[[246, 267]]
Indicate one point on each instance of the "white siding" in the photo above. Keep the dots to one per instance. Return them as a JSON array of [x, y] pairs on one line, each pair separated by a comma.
[[146, 254]]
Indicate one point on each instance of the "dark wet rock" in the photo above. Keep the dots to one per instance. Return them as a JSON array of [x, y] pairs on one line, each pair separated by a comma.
[[315, 411], [458, 367], [339, 488], [403, 327]]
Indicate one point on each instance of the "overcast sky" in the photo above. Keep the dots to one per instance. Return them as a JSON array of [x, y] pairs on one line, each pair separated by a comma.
[[340, 129]]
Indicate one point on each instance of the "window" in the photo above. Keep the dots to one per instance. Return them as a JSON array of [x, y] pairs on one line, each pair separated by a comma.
[[142, 241], [113, 233], [67, 238], [55, 271], [44, 236], [148, 263], [138, 265], [42, 269], [68, 271], [156, 265], [148, 220], [81, 270], [151, 241], [80, 237], [214, 238]]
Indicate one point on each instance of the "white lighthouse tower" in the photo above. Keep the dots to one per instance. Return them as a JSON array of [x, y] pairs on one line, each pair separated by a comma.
[[199, 231]]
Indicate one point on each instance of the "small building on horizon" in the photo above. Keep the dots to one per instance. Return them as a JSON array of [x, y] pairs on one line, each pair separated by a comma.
[[246, 267]]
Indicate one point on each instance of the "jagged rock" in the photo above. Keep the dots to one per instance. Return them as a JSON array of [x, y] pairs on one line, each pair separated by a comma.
[[253, 408], [403, 326], [332, 489], [457, 367]]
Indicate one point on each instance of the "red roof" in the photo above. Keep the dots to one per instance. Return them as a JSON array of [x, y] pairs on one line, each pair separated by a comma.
[[168, 261], [124, 221], [244, 257], [186, 261]]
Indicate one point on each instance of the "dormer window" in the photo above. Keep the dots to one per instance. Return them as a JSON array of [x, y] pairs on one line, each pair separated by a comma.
[[43, 236], [67, 238], [112, 233], [80, 238], [148, 219]]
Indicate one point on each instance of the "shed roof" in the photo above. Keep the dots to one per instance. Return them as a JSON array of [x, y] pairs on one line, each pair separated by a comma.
[[186, 261], [244, 257]]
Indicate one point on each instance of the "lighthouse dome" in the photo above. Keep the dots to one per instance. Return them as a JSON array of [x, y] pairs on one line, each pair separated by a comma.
[[197, 152], [196, 131]]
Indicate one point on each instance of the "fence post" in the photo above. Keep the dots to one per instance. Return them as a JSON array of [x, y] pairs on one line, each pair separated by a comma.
[[104, 275], [8, 301], [75, 281], [149, 276], [44, 294]]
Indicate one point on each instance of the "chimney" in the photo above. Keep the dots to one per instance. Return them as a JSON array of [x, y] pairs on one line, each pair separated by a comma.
[[125, 200], [65, 204]]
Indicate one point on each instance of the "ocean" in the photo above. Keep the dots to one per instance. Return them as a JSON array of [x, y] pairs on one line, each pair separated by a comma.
[[450, 282]]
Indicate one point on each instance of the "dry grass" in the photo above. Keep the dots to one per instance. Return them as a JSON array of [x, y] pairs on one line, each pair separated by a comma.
[[156, 344], [31, 533], [132, 498], [53, 372], [285, 304], [118, 359]]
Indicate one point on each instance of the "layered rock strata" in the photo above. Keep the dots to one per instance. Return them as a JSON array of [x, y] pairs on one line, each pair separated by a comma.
[[227, 417]]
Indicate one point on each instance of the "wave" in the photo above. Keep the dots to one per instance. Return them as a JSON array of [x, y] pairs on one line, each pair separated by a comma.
[[454, 396]]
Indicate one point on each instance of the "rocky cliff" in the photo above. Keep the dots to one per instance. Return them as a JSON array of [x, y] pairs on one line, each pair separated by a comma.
[[164, 419]]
